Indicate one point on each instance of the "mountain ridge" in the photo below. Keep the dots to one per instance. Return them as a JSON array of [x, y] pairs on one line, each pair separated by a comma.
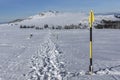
[[57, 18]]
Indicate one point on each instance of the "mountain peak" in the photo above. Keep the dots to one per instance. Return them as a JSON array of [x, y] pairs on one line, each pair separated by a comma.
[[45, 14]]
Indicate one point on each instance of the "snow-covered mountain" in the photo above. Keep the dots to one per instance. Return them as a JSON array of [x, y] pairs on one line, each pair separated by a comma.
[[61, 18], [55, 18]]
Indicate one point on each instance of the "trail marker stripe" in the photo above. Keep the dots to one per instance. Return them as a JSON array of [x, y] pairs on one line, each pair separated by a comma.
[[91, 20]]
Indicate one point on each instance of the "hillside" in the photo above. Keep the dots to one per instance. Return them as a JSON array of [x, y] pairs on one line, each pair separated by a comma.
[[56, 18]]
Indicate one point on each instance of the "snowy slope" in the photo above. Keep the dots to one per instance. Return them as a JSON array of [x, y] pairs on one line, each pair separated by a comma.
[[55, 19], [61, 18], [58, 54], [74, 45]]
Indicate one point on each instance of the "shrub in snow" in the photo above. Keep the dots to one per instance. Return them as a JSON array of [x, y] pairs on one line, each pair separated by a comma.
[[46, 26], [72, 26], [53, 27], [38, 28], [59, 27]]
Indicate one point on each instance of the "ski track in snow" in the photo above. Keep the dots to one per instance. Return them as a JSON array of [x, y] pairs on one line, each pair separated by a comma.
[[46, 66]]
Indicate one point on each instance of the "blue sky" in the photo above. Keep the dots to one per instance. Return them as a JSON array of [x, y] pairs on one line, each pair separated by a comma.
[[13, 9]]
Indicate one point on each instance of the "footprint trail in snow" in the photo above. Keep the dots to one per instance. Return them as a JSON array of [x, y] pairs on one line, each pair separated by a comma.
[[45, 65]]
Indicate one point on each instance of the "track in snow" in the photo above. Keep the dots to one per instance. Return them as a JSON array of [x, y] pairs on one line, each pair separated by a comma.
[[108, 71], [45, 65]]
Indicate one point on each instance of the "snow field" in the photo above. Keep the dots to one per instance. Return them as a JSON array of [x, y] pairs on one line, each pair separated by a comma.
[[58, 54]]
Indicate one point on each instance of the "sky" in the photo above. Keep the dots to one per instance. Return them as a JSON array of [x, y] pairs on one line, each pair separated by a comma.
[[14, 9]]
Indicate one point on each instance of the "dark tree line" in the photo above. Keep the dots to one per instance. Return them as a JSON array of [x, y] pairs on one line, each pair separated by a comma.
[[108, 24], [24, 26], [46, 26]]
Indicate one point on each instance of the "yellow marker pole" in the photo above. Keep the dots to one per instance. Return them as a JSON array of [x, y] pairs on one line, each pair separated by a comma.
[[91, 20]]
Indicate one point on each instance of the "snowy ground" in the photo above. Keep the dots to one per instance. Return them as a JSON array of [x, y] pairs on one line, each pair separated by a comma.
[[58, 54], [75, 47]]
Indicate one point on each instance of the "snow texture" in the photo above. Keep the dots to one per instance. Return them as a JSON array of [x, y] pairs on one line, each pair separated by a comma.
[[58, 54]]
